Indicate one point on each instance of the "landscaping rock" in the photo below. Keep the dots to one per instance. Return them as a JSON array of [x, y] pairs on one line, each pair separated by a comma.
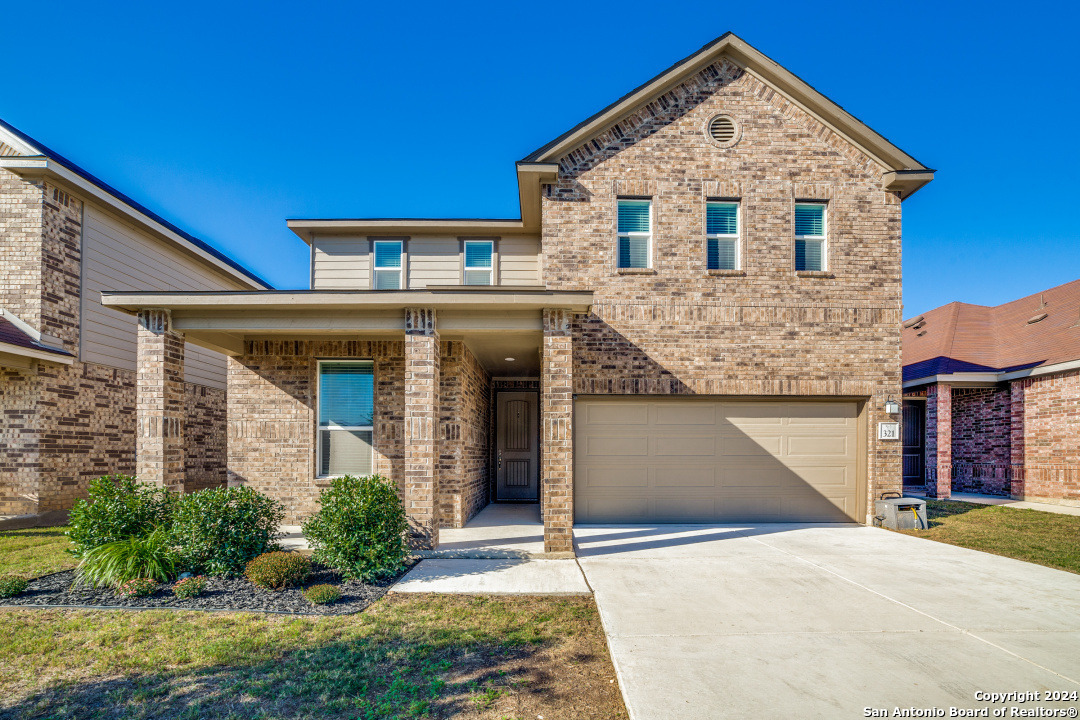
[[238, 594]]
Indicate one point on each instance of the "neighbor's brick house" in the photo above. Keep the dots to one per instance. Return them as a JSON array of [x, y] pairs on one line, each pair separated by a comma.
[[992, 398], [67, 364], [697, 317]]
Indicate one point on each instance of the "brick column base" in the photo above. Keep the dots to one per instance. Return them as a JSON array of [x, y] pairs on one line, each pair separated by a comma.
[[557, 432], [159, 404], [939, 441], [421, 418]]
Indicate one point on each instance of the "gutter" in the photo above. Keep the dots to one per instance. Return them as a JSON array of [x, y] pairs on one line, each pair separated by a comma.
[[994, 377]]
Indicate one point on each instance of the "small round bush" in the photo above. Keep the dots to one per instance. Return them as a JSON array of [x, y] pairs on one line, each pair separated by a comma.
[[139, 587], [322, 594], [118, 507], [360, 527], [278, 570], [189, 587], [12, 586], [219, 531]]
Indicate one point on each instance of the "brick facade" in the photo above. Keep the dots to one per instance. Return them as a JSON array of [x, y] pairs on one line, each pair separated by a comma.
[[1020, 438], [422, 366], [557, 431], [63, 425], [764, 330], [464, 437]]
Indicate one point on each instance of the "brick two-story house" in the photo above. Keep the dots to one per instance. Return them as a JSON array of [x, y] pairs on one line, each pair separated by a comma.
[[695, 318], [67, 364]]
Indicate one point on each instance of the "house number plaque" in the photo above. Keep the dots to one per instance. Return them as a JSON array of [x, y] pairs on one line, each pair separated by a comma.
[[888, 431]]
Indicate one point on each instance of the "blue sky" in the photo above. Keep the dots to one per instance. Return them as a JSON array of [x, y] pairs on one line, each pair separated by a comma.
[[228, 118]]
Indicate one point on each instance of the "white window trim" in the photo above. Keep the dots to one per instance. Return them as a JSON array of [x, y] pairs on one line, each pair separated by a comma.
[[319, 427], [717, 236], [466, 269], [634, 234], [824, 237], [375, 269]]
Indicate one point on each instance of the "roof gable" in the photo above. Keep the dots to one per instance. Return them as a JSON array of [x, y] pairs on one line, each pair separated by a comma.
[[747, 58]]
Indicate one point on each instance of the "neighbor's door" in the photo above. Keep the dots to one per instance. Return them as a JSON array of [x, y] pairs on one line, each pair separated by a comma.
[[517, 447], [913, 435]]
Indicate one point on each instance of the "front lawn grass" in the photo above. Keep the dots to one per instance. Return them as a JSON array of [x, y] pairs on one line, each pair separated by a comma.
[[407, 656], [1045, 538], [34, 552]]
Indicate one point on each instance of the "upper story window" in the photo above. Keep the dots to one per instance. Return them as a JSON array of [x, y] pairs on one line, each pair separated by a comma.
[[479, 262], [810, 236], [722, 235], [346, 409], [635, 233], [387, 265]]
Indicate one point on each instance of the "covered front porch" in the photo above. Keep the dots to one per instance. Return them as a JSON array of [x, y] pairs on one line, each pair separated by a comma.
[[461, 397]]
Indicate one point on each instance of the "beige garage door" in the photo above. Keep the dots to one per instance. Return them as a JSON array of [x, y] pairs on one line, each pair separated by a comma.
[[653, 459]]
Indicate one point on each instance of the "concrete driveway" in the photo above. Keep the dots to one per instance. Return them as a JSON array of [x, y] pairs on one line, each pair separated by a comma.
[[802, 621]]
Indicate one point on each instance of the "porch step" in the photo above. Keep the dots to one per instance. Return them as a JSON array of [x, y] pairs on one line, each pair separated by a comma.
[[491, 554]]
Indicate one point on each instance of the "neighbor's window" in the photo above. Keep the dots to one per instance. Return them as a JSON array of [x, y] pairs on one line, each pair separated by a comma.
[[388, 265], [346, 407], [635, 233], [722, 235], [479, 267], [810, 236]]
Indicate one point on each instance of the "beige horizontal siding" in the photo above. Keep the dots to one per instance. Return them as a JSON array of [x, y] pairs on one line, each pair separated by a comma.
[[345, 263], [340, 264], [119, 256]]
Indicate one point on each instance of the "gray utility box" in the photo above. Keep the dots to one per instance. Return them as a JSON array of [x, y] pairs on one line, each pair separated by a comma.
[[902, 513]]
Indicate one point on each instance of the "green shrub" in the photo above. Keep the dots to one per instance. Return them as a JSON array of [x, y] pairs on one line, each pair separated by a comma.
[[11, 586], [360, 527], [189, 587], [118, 507], [118, 562], [278, 570], [322, 594], [219, 531], [137, 587]]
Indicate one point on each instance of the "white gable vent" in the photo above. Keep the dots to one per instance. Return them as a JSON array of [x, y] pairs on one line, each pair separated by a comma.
[[722, 130]]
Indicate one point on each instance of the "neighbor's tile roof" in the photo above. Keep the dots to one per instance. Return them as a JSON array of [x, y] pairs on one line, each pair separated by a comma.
[[959, 337], [12, 334]]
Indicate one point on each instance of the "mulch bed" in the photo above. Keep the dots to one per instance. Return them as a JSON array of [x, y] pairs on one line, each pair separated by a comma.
[[237, 594]]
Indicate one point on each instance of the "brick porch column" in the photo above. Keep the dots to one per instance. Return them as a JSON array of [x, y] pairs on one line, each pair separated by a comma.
[[159, 404], [421, 419], [557, 432], [939, 441], [1016, 438]]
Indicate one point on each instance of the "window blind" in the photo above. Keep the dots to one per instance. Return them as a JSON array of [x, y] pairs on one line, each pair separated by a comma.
[[388, 255], [721, 253], [810, 220], [634, 216], [346, 394], [345, 452], [633, 251], [478, 263], [722, 219], [808, 254]]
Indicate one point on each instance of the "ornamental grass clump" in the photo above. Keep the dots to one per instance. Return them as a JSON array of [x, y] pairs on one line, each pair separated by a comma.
[[322, 594], [137, 588], [189, 587], [11, 586], [278, 570], [359, 529], [115, 563]]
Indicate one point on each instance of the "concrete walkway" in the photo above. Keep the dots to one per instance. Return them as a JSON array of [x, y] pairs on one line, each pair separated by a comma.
[[1019, 504], [494, 577], [822, 621], [500, 530]]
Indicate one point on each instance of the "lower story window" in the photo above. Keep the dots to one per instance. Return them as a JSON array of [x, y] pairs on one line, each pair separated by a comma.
[[346, 408]]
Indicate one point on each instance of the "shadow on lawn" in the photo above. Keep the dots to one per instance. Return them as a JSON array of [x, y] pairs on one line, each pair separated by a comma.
[[360, 678], [938, 510]]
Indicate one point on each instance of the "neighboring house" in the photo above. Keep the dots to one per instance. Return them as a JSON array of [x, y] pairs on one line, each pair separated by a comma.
[[992, 398], [696, 318], [67, 364]]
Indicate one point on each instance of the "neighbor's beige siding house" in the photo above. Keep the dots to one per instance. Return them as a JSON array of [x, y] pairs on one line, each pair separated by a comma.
[[696, 318], [68, 364]]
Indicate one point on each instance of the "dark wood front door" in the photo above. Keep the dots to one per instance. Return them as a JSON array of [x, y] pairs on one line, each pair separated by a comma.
[[517, 447], [913, 434]]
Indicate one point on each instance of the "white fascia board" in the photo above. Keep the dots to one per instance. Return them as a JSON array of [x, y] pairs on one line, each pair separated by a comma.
[[46, 166], [991, 377], [36, 354]]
